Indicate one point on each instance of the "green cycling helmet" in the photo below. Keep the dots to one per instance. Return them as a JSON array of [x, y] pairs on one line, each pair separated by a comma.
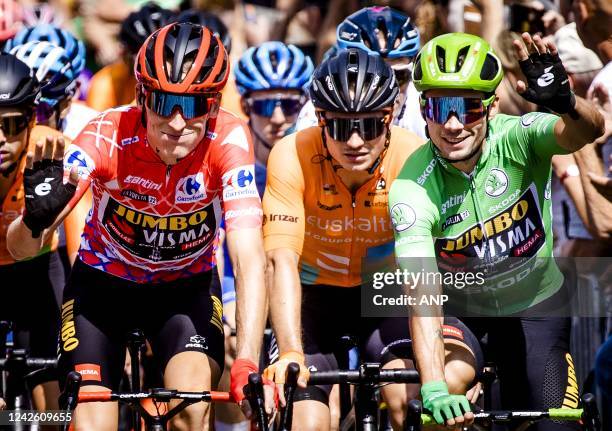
[[458, 61]]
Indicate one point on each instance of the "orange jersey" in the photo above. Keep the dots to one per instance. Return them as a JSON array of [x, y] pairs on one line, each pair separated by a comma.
[[112, 86], [13, 204], [340, 236]]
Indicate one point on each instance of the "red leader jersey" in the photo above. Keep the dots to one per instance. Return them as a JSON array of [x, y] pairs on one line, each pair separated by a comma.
[[151, 222]]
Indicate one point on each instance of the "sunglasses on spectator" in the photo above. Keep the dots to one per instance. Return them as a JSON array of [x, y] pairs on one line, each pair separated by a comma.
[[341, 129], [467, 109], [265, 107], [191, 105], [15, 124]]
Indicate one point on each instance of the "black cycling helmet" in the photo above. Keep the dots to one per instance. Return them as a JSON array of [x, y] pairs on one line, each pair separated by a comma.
[[18, 84], [140, 24], [353, 81], [210, 21]]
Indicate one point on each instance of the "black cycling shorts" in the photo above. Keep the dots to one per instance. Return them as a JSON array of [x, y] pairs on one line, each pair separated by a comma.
[[99, 309], [330, 312], [30, 290], [533, 361]]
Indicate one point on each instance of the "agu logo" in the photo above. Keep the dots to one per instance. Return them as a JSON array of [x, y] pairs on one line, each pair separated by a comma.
[[190, 188], [239, 183]]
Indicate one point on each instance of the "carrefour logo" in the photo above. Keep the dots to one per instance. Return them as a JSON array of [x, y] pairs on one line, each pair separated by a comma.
[[239, 183], [190, 188]]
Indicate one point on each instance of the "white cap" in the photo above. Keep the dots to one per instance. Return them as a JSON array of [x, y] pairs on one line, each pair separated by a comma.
[[575, 56]]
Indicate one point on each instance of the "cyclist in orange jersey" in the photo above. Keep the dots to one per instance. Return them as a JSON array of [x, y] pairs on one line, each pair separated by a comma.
[[33, 305]]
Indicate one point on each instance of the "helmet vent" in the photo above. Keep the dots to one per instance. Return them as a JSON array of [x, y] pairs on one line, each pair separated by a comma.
[[418, 71], [490, 68], [461, 55], [441, 58]]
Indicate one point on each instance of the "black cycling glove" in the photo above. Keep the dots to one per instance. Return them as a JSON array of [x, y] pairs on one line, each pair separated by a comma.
[[45, 194], [547, 83]]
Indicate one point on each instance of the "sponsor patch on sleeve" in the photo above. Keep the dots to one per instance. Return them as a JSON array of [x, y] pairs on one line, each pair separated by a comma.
[[402, 216], [77, 156], [239, 183]]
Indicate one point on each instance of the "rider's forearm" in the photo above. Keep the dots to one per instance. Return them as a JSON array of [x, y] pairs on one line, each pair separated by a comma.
[[428, 347], [251, 303], [285, 299], [576, 130], [20, 243]]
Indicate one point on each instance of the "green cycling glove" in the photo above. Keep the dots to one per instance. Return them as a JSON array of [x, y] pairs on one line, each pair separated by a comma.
[[441, 404]]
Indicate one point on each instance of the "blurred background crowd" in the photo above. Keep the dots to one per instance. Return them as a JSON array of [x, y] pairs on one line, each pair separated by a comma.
[[112, 31]]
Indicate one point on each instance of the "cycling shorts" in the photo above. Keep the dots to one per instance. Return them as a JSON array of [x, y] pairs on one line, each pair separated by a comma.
[[29, 293], [99, 309], [331, 312], [533, 361]]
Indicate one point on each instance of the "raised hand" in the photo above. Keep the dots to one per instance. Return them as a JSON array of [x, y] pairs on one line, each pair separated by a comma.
[[547, 81], [46, 195]]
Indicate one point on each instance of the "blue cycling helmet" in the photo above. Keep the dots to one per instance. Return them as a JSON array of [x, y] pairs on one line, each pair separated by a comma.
[[75, 50], [370, 26], [273, 65], [52, 68]]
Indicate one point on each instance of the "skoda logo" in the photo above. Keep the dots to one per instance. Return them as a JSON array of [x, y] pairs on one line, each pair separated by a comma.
[[496, 183], [402, 216]]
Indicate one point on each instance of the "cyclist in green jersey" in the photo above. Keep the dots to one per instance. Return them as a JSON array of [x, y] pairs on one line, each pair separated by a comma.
[[482, 184]]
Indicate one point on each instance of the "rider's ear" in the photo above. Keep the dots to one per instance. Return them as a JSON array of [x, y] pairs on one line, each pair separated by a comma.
[[245, 106], [494, 107], [321, 119]]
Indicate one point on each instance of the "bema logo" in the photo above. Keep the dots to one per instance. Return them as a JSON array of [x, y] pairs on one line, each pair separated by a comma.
[[496, 183]]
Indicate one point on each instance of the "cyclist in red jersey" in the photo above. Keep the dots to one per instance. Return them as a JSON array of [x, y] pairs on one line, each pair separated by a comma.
[[163, 174]]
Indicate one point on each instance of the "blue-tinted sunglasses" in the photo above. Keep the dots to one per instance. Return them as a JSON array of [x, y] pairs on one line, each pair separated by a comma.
[[265, 107], [191, 105], [467, 109]]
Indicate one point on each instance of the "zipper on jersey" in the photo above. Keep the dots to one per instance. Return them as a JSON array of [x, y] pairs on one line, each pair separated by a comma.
[[479, 219], [353, 205], [168, 169]]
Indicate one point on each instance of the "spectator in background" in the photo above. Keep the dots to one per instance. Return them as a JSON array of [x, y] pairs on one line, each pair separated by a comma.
[[11, 19], [102, 22], [594, 26], [574, 238], [115, 84]]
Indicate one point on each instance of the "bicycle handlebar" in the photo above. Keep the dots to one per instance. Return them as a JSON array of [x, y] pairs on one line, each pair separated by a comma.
[[28, 362], [357, 376], [508, 416], [162, 395]]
